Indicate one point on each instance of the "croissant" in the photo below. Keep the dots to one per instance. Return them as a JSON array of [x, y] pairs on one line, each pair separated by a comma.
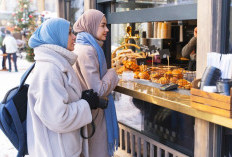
[[182, 82], [144, 75], [177, 73], [163, 80]]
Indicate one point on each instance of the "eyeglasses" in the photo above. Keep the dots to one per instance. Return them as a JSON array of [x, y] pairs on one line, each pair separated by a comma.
[[75, 33]]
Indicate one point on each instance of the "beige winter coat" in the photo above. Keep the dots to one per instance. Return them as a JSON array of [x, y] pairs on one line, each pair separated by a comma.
[[87, 69]]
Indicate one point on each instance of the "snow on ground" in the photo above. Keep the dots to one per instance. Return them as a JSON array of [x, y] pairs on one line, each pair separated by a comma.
[[9, 80]]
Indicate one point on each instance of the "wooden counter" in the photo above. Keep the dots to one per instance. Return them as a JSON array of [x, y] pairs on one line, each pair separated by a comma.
[[169, 99]]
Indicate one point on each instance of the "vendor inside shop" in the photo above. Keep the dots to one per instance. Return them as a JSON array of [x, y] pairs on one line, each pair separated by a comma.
[[189, 51]]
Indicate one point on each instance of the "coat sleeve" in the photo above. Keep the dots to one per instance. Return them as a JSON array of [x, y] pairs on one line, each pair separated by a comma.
[[187, 49], [55, 112], [89, 66]]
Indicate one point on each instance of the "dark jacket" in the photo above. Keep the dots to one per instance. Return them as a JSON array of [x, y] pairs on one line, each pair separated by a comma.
[[189, 51]]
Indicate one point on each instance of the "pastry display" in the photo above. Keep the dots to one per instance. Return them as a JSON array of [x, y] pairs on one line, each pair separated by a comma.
[[126, 55], [136, 74], [168, 74], [143, 67], [177, 73], [163, 80], [126, 60], [188, 86], [184, 84], [131, 65], [173, 80], [118, 56], [157, 75], [144, 75], [128, 66], [122, 69]]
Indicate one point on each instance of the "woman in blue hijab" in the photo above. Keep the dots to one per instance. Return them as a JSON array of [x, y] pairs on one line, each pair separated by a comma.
[[56, 110]]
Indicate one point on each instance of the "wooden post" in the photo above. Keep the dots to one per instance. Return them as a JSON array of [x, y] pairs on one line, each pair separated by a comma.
[[61, 9], [208, 40], [204, 27], [201, 146], [89, 4]]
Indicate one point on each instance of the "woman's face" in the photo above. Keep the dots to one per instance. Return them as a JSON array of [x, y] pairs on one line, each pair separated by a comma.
[[102, 30], [71, 40]]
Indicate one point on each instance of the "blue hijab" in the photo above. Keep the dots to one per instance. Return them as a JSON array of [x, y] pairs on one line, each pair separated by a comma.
[[110, 112], [53, 31]]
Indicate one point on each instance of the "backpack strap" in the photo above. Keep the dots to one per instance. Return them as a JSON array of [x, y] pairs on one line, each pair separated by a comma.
[[25, 75], [22, 81], [18, 125]]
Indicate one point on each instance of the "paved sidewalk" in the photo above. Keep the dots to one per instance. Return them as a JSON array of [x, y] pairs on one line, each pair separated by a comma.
[[9, 80]]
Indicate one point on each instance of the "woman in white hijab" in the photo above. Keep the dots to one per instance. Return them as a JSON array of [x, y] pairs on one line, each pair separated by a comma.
[[92, 71]]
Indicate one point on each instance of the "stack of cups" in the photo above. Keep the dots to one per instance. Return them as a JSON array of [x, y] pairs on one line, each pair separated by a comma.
[[169, 30], [164, 30], [155, 30], [210, 77], [149, 30], [143, 40], [159, 29]]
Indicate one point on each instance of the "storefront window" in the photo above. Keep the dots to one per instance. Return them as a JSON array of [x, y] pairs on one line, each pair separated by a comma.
[[127, 5], [76, 9], [169, 41], [118, 32]]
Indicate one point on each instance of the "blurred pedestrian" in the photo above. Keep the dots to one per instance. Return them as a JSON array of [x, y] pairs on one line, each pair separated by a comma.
[[11, 49], [3, 48]]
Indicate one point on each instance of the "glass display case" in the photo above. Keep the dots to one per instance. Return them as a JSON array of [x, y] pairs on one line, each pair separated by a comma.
[[163, 125], [173, 40]]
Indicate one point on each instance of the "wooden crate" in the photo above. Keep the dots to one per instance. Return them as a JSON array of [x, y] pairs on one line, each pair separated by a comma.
[[211, 102]]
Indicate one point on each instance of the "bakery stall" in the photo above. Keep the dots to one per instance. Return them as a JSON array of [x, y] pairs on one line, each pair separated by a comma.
[[146, 39], [146, 53]]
